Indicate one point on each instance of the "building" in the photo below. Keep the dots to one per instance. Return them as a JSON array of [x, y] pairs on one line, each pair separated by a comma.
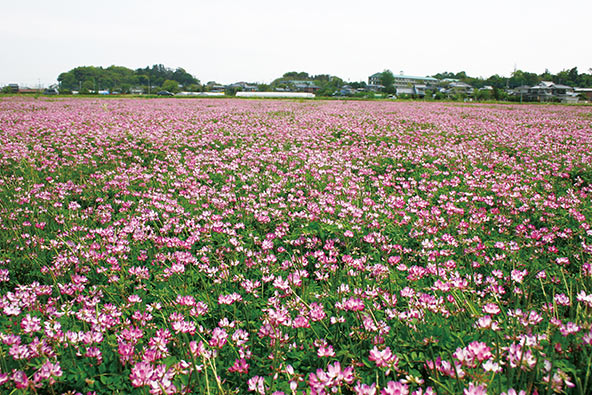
[[304, 86], [547, 91], [407, 81], [460, 87], [406, 84], [375, 79], [299, 95], [243, 86], [586, 92], [374, 88]]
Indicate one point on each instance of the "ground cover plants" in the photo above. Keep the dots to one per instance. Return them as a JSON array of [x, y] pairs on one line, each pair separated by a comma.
[[227, 246]]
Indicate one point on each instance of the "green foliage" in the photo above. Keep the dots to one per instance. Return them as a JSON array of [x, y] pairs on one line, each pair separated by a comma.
[[121, 79], [171, 86], [483, 95], [520, 78], [87, 86], [387, 79], [569, 77], [295, 75]]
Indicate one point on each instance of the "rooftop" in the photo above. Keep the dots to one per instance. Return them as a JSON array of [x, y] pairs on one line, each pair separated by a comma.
[[412, 77]]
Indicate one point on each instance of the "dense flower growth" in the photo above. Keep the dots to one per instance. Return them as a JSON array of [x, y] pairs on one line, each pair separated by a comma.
[[225, 246]]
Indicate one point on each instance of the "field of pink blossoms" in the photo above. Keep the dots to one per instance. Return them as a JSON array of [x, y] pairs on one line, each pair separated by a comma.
[[227, 246]]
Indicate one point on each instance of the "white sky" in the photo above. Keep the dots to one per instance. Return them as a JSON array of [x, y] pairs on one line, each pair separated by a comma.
[[259, 40]]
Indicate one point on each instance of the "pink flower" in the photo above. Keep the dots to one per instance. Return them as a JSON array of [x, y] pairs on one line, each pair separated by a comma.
[[30, 324], [141, 374], [126, 352], [219, 338], [395, 388], [317, 312], [300, 322], [20, 379], [326, 351], [384, 358], [364, 389], [475, 390], [229, 299], [491, 308], [512, 391], [334, 371], [49, 371], [239, 366], [394, 260], [257, 384]]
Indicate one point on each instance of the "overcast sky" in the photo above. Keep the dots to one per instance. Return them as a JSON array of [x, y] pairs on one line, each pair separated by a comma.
[[259, 40]]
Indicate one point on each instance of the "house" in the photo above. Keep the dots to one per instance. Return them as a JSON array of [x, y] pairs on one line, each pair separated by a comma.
[[408, 91], [405, 81], [375, 79], [346, 90], [243, 86], [564, 93], [29, 90], [213, 86], [374, 87], [304, 86], [546, 91], [549, 91], [586, 92], [406, 84], [299, 95], [459, 87]]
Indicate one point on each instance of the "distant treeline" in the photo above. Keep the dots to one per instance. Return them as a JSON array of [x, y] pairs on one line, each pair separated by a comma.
[[569, 77], [122, 79]]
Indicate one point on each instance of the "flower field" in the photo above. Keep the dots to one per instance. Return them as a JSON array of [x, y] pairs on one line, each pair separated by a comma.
[[228, 246]]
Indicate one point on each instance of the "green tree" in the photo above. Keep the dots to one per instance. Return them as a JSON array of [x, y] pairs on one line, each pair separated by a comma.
[[520, 78], [87, 86], [263, 88], [296, 75], [328, 86], [387, 79], [483, 95], [171, 86], [496, 81], [193, 87]]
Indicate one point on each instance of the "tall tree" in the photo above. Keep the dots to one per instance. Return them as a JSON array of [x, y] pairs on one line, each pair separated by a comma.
[[387, 79]]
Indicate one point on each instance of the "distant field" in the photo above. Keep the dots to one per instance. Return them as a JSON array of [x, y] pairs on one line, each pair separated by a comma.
[[227, 246]]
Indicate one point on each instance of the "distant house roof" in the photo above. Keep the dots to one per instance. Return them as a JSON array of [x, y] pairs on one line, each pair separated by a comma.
[[407, 91], [376, 75], [411, 77], [304, 84], [460, 84]]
